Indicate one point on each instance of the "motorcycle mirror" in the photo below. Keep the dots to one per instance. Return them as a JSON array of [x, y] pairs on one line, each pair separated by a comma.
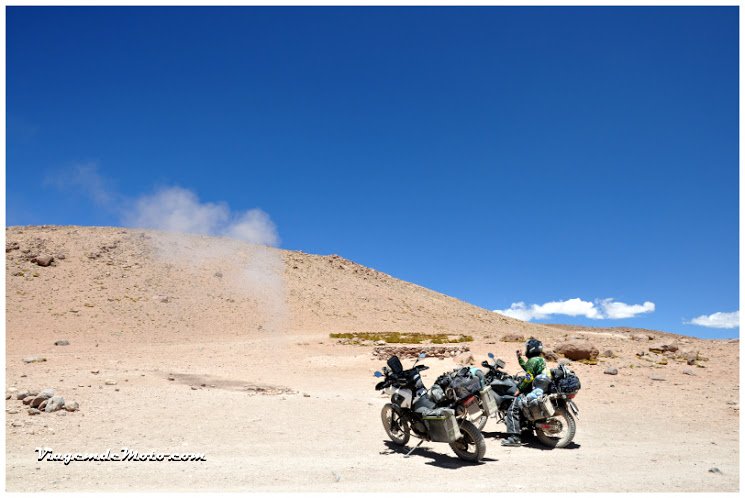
[[378, 374], [491, 355]]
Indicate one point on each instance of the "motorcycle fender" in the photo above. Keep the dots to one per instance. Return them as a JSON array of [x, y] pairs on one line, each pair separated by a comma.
[[404, 393], [573, 407]]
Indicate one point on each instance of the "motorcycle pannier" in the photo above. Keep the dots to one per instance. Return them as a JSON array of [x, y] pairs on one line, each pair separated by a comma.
[[539, 408], [443, 428], [488, 402]]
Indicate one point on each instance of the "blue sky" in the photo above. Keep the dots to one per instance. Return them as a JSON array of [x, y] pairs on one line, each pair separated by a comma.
[[498, 155]]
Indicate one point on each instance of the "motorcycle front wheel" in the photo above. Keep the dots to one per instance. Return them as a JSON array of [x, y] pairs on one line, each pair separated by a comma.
[[562, 434], [471, 447], [394, 424]]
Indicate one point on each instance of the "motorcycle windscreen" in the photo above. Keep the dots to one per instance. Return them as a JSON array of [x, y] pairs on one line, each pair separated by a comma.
[[395, 364]]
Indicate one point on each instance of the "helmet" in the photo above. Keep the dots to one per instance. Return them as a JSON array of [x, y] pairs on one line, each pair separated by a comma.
[[542, 382], [533, 347]]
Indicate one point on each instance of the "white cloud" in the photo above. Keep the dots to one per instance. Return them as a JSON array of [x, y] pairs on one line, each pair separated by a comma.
[[617, 310], [598, 310], [718, 320], [175, 209]]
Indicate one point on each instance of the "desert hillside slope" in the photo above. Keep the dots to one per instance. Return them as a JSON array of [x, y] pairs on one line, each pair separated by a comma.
[[109, 283]]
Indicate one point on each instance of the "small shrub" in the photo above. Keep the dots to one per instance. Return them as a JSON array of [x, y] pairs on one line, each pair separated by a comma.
[[402, 337]]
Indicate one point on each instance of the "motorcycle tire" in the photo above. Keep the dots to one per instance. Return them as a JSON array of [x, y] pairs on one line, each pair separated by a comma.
[[567, 419], [480, 422], [394, 425], [472, 446]]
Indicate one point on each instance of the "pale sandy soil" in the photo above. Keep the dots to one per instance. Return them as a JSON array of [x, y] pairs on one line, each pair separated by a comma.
[[266, 321]]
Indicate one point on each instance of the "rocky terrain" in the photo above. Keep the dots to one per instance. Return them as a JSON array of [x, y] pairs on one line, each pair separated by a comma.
[[196, 344]]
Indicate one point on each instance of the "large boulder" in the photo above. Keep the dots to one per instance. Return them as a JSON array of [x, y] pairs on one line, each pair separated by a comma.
[[577, 350], [662, 347]]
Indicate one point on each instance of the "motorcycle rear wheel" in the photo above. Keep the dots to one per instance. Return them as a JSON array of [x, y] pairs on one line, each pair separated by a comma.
[[472, 446], [561, 440], [394, 424]]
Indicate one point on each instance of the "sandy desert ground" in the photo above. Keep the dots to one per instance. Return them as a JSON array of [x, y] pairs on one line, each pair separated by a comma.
[[275, 404]]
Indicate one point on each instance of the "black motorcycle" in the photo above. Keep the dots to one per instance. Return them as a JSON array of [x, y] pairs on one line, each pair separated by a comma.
[[429, 416], [552, 417]]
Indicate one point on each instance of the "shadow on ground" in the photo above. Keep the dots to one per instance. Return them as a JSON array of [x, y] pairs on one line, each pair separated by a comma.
[[437, 458], [530, 441]]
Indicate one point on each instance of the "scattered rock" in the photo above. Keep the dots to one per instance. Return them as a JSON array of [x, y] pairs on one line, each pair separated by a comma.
[[43, 260], [63, 342], [171, 377], [95, 372], [381, 342], [434, 351], [608, 354], [17, 423], [12, 411], [62, 413], [661, 347], [8, 396], [110, 382], [512, 338], [565, 361], [42, 405], [306, 395], [550, 355], [194, 388], [641, 337], [578, 350], [27, 400], [218, 274], [662, 361], [688, 371], [33, 411], [465, 359], [34, 359], [611, 371], [715, 470], [54, 404], [654, 377]]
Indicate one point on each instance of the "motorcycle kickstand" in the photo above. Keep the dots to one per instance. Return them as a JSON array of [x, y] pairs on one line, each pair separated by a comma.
[[412, 449]]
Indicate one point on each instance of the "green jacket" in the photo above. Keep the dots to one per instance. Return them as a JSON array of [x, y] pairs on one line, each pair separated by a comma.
[[533, 367]]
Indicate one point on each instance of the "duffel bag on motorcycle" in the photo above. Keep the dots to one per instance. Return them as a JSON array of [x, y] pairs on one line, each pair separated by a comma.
[[565, 380], [538, 408], [442, 426]]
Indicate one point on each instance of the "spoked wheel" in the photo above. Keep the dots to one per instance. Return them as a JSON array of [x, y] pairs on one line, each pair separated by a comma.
[[394, 425], [471, 447], [557, 431]]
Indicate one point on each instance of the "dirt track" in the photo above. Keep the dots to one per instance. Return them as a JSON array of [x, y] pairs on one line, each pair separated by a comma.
[[634, 433]]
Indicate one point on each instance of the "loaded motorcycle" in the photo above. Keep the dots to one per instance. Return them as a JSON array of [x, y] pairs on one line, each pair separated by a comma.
[[552, 416], [429, 416]]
